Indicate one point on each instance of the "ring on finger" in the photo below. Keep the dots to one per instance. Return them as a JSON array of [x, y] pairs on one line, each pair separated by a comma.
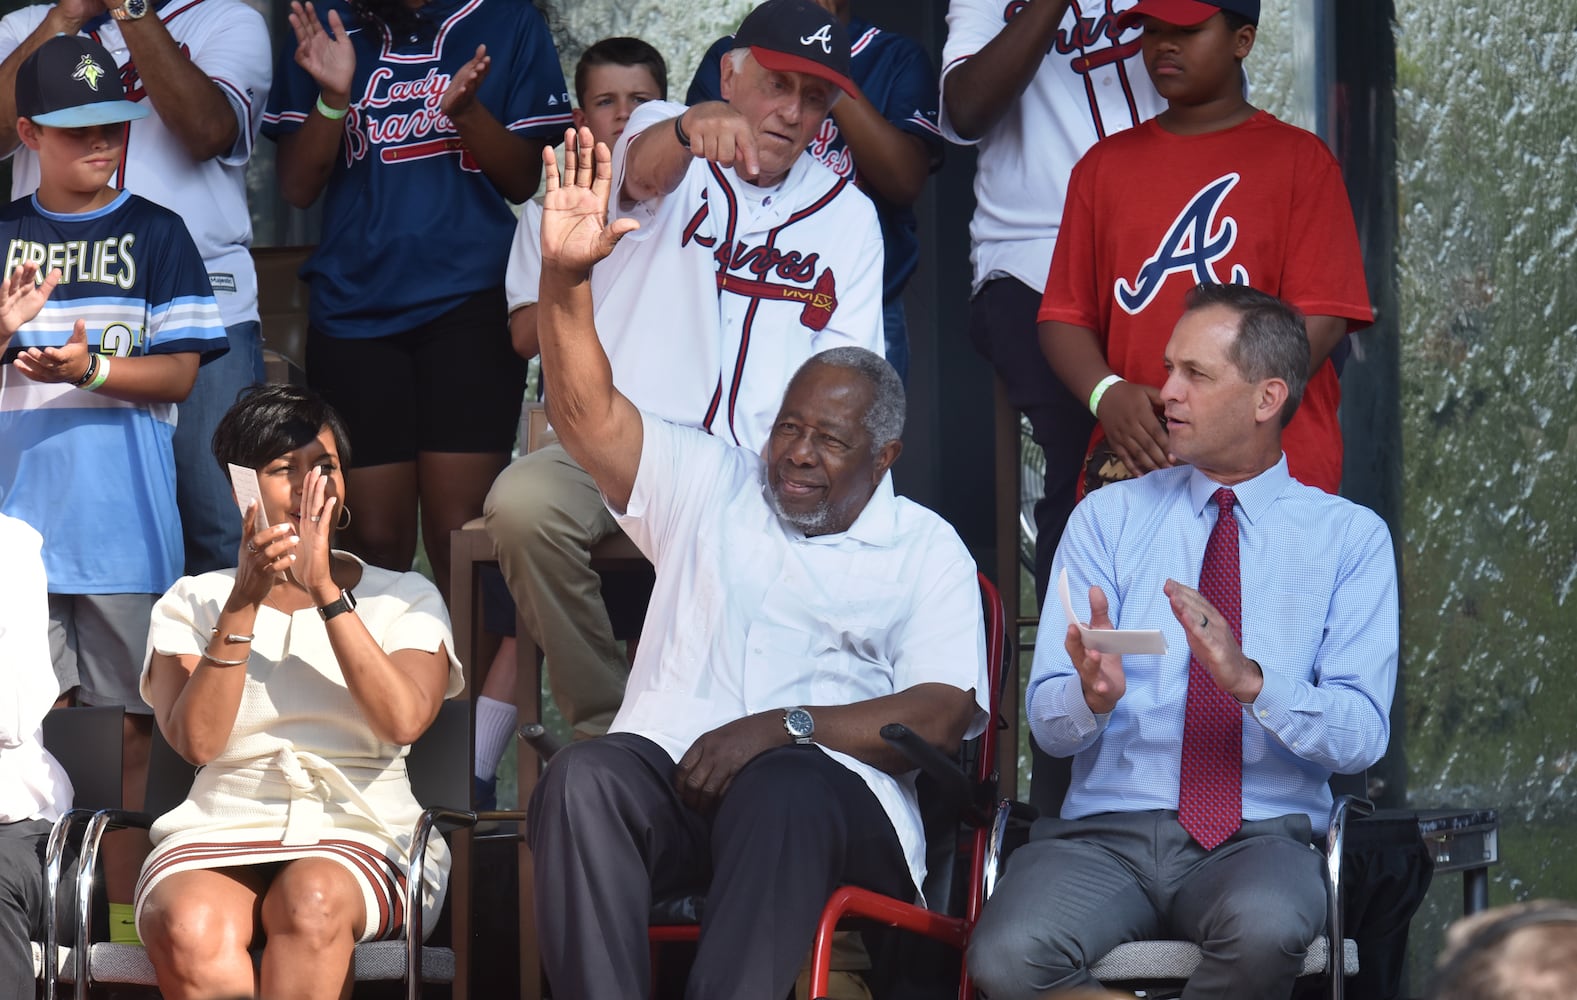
[[316, 518], [251, 548], [1204, 621]]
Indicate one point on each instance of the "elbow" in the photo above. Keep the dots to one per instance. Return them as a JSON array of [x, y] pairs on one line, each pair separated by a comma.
[[962, 116], [296, 194]]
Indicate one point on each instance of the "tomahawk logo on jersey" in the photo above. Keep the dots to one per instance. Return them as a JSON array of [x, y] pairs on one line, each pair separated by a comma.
[[1192, 246]]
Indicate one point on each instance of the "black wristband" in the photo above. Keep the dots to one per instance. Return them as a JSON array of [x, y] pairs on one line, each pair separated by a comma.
[[684, 140], [88, 373]]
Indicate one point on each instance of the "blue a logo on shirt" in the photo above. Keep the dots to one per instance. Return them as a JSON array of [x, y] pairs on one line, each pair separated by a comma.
[[1193, 245]]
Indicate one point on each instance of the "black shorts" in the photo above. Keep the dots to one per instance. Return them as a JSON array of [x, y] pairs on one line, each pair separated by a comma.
[[453, 384]]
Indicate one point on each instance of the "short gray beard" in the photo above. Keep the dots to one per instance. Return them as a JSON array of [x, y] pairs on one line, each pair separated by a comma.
[[817, 520]]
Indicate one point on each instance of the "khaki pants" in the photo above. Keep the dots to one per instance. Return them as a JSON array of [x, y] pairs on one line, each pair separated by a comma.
[[544, 514]]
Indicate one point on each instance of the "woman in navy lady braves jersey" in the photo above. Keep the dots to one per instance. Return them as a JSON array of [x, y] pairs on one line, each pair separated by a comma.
[[416, 125]]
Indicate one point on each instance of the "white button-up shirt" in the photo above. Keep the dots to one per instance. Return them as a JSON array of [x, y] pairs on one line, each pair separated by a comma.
[[32, 784], [749, 614]]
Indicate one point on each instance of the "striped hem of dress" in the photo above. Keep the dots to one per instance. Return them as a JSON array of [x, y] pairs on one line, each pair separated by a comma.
[[381, 881]]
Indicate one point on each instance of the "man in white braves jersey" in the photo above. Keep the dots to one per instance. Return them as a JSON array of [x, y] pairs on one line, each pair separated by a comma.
[[751, 257], [205, 68], [1035, 83]]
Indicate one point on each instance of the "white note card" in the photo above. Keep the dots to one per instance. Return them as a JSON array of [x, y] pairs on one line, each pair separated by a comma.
[[244, 482], [1119, 641]]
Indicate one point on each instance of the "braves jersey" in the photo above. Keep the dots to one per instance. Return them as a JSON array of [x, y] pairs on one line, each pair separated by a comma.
[[94, 475], [727, 288], [1151, 214], [1092, 83], [228, 41], [411, 225], [894, 74]]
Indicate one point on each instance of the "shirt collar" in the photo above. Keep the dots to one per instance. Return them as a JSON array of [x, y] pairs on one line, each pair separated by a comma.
[[1254, 496]]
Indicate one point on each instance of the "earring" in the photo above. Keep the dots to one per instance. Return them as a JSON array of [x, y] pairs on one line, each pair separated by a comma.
[[343, 521]]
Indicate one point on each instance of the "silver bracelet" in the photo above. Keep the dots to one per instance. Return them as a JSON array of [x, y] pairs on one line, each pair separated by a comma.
[[232, 637], [223, 663]]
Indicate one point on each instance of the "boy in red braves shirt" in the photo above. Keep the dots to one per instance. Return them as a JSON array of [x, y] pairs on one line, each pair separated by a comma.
[[1211, 190]]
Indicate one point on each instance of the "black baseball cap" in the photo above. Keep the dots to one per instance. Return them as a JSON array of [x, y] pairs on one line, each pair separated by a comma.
[[797, 36], [72, 81], [1186, 12]]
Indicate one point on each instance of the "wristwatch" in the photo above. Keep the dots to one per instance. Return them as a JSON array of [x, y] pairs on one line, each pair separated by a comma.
[[799, 725], [131, 10], [346, 602]]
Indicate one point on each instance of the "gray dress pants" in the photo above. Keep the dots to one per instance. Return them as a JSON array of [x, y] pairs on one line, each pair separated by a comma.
[[1081, 887]]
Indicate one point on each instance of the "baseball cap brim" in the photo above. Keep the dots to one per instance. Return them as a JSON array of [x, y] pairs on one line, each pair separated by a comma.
[[1180, 12], [98, 113], [782, 62]]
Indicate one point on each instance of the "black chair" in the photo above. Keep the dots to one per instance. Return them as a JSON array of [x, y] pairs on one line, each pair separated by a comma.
[[87, 743], [439, 765]]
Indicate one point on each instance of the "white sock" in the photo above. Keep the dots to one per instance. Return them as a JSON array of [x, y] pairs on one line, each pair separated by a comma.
[[495, 724]]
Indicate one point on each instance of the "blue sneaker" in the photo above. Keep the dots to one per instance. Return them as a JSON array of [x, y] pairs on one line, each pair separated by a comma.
[[484, 793]]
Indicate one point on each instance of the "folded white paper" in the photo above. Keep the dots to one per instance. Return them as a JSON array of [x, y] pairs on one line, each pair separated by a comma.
[[244, 482], [1109, 640]]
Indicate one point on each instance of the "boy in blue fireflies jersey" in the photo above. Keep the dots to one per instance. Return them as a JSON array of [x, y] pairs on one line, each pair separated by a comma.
[[105, 313]]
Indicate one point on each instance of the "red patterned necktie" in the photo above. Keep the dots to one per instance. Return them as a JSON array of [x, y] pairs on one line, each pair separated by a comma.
[[1210, 780]]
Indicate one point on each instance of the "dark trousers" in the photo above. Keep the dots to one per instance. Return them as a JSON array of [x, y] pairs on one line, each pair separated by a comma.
[[21, 902], [609, 834], [1002, 327]]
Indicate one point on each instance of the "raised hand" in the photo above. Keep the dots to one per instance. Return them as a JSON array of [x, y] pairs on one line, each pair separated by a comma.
[[262, 561], [460, 96], [327, 56], [1100, 674], [22, 296], [575, 228], [67, 363], [1130, 414], [314, 564]]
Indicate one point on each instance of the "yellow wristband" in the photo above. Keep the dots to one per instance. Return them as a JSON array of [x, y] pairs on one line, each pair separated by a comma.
[[332, 114], [1100, 390]]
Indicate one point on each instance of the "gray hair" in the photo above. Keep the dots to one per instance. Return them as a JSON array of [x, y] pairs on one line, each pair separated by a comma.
[[738, 56], [884, 419], [1271, 340]]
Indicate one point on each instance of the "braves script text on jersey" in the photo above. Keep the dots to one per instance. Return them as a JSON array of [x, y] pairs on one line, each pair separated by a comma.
[[1091, 84], [96, 475], [411, 226], [710, 307], [1261, 204], [228, 41]]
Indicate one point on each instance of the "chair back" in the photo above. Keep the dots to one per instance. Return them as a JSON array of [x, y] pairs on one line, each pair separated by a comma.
[[170, 777], [439, 763], [87, 743]]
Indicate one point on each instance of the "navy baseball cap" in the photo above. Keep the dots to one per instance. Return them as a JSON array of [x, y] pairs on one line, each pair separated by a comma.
[[71, 81], [1186, 12], [797, 36]]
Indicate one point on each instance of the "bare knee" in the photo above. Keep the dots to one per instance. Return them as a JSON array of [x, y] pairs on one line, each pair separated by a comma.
[[315, 904], [193, 937]]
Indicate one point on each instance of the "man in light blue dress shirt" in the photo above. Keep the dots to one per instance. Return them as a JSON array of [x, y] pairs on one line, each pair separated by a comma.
[[1314, 674]]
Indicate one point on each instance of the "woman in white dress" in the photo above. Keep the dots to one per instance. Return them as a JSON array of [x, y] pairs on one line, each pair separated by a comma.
[[298, 679]]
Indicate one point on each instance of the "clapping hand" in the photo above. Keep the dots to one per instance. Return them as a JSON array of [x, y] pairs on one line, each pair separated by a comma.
[[22, 296], [576, 232], [1100, 674], [460, 96], [327, 56]]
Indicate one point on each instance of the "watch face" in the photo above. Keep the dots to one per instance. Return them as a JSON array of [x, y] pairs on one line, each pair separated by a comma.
[[799, 723], [136, 8]]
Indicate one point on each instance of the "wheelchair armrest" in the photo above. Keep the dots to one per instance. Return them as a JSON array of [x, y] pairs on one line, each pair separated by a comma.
[[951, 782], [103, 821], [1344, 810], [536, 736]]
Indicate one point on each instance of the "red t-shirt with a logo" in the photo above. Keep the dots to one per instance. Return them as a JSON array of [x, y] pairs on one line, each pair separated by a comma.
[[1151, 214]]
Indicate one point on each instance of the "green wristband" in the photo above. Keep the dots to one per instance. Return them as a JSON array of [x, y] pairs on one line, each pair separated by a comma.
[[332, 114], [103, 373], [1100, 390]]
